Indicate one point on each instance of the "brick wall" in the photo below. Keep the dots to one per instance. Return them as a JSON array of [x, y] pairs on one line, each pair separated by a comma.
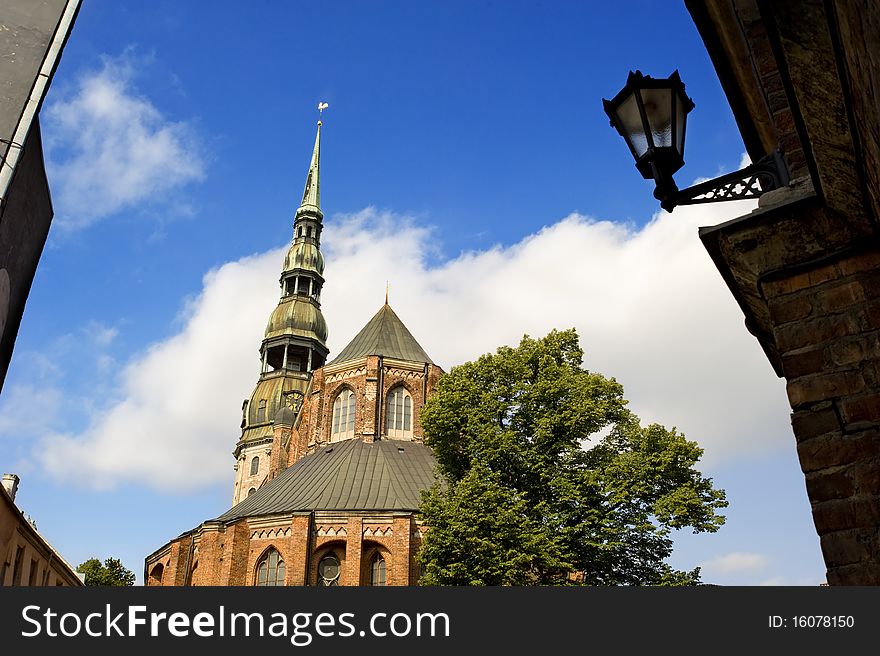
[[826, 323], [228, 554]]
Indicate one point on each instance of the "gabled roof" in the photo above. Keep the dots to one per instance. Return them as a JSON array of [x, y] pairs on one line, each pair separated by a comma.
[[384, 335], [348, 475]]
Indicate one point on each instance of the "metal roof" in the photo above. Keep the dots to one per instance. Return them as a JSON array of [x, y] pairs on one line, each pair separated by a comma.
[[347, 475], [384, 335]]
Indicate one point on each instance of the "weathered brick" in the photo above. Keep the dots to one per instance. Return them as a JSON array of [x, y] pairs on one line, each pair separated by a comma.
[[773, 84], [799, 334], [803, 362], [808, 423], [869, 261], [846, 351], [789, 142], [861, 409], [828, 484], [839, 297], [840, 514], [783, 120], [810, 389], [867, 477], [777, 100], [797, 162], [855, 574], [785, 309], [837, 449], [799, 281], [846, 547], [871, 285], [872, 316]]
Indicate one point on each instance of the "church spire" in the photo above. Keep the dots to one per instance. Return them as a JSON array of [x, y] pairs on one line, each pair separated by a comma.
[[294, 344], [311, 199]]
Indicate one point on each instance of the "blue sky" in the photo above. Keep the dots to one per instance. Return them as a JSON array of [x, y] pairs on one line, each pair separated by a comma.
[[465, 158]]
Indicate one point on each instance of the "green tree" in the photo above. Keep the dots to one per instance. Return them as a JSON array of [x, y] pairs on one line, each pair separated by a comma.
[[531, 495], [112, 572]]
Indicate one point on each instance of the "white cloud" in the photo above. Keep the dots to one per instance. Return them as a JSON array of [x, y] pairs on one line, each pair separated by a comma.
[[28, 410], [649, 306], [110, 149], [736, 563]]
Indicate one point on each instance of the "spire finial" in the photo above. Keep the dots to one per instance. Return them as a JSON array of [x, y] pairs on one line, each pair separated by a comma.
[[321, 107], [387, 285]]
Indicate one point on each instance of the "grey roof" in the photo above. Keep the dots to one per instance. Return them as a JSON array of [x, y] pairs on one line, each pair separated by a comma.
[[385, 335], [348, 475]]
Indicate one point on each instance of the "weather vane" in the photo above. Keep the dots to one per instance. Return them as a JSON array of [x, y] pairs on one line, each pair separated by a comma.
[[321, 107]]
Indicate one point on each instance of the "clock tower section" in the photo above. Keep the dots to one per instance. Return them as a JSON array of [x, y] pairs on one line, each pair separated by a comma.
[[294, 344]]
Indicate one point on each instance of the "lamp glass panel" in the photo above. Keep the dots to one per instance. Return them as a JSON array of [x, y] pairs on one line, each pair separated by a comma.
[[658, 109], [680, 120], [631, 123]]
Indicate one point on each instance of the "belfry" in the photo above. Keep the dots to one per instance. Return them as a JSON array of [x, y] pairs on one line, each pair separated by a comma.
[[330, 462]]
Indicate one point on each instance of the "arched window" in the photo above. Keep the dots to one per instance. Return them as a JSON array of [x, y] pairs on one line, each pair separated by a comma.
[[270, 569], [251, 491], [255, 465], [343, 416], [398, 413], [377, 570], [328, 571], [261, 411], [156, 574]]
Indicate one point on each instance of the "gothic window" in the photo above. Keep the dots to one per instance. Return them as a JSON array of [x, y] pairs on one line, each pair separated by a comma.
[[255, 465], [261, 411], [343, 416], [156, 574], [377, 570], [398, 413], [270, 569], [328, 571]]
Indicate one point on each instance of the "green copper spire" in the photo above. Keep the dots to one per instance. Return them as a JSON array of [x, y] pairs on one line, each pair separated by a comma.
[[311, 200]]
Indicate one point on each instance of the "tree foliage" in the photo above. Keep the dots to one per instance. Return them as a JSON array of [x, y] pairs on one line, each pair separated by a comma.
[[112, 572], [549, 479]]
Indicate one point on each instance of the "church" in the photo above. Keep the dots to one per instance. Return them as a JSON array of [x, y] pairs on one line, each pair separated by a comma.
[[331, 461]]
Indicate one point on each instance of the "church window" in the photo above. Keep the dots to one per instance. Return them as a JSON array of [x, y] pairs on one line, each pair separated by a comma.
[[398, 413], [299, 232], [328, 571], [343, 416], [309, 231], [270, 569], [255, 465], [261, 411], [377, 570], [251, 491], [156, 574]]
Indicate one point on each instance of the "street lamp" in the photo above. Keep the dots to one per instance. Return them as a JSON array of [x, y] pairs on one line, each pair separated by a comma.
[[651, 116]]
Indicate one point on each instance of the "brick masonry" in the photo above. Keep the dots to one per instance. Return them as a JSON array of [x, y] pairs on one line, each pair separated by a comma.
[[229, 554], [826, 324]]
